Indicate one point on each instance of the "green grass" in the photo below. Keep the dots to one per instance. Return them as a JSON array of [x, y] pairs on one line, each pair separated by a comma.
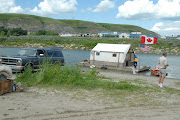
[[172, 90], [84, 26], [81, 84], [70, 76], [73, 76]]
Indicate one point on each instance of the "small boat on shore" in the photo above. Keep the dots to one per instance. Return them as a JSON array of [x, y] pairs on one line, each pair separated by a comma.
[[155, 72]]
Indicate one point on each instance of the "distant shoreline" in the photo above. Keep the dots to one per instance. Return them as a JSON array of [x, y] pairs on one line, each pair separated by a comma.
[[88, 43], [81, 48]]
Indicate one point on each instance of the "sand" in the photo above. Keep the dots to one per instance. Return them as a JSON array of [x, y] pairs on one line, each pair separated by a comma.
[[51, 104]]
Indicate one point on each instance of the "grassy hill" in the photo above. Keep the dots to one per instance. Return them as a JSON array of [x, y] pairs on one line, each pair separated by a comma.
[[34, 23], [126, 28], [84, 26]]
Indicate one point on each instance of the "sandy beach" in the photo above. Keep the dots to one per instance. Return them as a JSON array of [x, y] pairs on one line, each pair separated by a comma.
[[62, 104]]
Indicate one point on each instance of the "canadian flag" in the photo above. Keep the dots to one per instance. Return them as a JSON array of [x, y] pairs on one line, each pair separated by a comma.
[[148, 40]]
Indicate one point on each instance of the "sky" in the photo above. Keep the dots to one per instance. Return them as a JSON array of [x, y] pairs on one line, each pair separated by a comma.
[[161, 16]]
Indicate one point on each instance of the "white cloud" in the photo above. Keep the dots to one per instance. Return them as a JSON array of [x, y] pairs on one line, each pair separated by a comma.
[[51, 7], [104, 6], [9, 6], [167, 28], [157, 25], [82, 11], [146, 9], [89, 9]]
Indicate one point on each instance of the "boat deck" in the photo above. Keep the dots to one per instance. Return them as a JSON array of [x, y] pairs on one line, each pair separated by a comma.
[[125, 69]]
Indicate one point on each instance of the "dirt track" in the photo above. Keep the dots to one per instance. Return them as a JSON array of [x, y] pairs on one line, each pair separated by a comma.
[[33, 106], [46, 104]]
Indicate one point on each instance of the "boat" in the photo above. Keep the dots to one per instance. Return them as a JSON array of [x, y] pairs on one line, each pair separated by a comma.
[[155, 72]]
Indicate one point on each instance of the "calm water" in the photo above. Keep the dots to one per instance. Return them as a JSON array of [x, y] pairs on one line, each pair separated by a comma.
[[144, 59]]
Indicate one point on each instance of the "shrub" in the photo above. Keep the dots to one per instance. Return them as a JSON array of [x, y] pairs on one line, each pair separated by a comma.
[[44, 32], [2, 39], [18, 31], [69, 76]]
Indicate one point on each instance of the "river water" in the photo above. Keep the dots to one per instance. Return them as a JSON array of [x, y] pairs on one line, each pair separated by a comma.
[[144, 59]]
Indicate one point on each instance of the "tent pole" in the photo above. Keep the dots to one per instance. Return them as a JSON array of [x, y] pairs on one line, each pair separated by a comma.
[[118, 60], [94, 58]]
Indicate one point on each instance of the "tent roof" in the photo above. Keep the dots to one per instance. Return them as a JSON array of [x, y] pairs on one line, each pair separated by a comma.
[[104, 47]]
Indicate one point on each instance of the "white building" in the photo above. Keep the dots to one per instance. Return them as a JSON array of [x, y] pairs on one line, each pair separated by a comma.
[[108, 34], [115, 55], [135, 32], [163, 37], [66, 35], [124, 35]]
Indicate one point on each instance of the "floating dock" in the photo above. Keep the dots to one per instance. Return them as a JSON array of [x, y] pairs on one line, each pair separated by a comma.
[[125, 69]]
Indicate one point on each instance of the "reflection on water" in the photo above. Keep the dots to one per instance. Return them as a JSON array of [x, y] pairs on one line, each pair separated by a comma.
[[144, 59]]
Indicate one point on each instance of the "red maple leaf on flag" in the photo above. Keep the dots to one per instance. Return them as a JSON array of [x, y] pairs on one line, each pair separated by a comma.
[[149, 40]]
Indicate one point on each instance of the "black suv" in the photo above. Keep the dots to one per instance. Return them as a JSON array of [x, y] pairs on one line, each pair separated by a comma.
[[33, 57]]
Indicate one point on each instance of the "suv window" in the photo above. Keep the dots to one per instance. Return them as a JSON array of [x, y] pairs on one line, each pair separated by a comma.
[[27, 52], [54, 53], [40, 53]]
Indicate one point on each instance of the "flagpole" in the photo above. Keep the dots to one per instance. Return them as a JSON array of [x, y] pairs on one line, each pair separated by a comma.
[[139, 60]]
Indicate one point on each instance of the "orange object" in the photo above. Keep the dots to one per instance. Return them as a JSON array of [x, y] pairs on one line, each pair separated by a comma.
[[155, 72], [18, 64]]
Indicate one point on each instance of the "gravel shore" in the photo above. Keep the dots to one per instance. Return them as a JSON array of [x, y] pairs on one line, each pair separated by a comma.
[[53, 104], [120, 76]]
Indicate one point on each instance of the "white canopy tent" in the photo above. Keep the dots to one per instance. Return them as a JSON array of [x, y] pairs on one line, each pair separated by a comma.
[[110, 53]]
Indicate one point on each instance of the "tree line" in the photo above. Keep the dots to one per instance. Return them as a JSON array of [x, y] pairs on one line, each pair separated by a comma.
[[12, 31], [44, 32], [19, 32]]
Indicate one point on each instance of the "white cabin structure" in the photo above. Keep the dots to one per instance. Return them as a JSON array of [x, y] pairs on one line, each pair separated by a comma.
[[124, 35], [113, 55]]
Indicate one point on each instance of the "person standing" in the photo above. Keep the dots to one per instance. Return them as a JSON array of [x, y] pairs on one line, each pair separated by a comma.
[[163, 65], [135, 60]]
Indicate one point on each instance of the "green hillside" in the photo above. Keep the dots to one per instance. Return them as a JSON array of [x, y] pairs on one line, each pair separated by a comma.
[[84, 26], [126, 28], [34, 23]]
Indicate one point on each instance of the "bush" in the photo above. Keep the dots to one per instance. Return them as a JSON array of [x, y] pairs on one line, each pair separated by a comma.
[[2, 39], [18, 31], [69, 76], [44, 32], [12, 31], [3, 29]]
